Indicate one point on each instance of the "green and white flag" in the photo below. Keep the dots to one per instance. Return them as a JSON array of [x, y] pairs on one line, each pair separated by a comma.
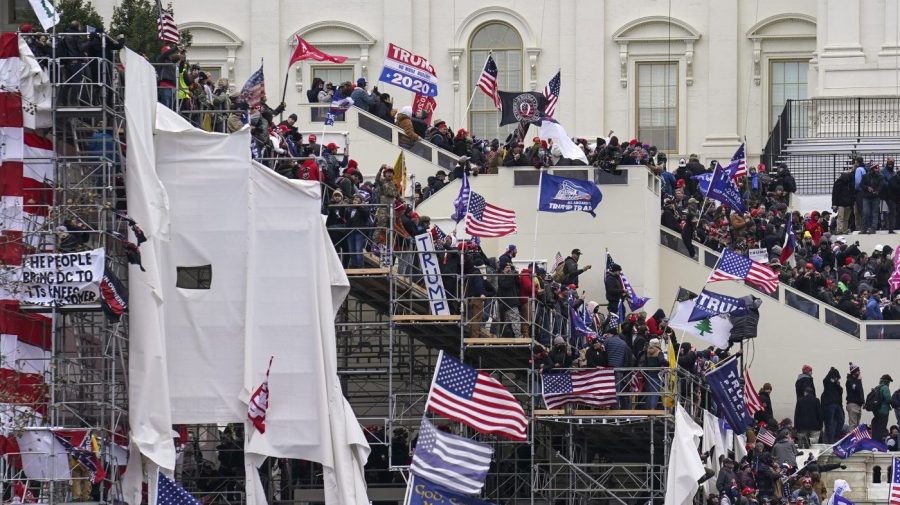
[[714, 330], [46, 13]]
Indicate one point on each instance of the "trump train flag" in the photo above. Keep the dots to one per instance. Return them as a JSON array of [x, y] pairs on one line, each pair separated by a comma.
[[564, 194]]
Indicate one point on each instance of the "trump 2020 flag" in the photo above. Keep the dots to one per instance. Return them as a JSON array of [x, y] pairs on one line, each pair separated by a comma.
[[725, 385], [457, 463], [723, 189], [424, 492], [259, 403], [564, 194], [709, 304]]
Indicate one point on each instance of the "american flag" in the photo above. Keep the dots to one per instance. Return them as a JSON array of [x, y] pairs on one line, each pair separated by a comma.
[[596, 387], [457, 463], [895, 483], [259, 403], [461, 393], [637, 381], [486, 220], [462, 200], [766, 437], [168, 492], [738, 164], [734, 267], [254, 90], [559, 260], [551, 93], [437, 234], [168, 30], [751, 397], [488, 81]]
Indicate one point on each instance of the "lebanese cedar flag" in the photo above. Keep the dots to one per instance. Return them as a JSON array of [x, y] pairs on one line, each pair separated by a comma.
[[259, 403], [304, 51]]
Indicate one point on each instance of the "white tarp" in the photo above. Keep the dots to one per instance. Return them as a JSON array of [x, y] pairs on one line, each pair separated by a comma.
[[276, 284], [685, 467]]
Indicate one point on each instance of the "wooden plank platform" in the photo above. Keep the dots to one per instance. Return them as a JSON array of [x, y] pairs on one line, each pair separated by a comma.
[[488, 341], [599, 413], [366, 271], [427, 318]]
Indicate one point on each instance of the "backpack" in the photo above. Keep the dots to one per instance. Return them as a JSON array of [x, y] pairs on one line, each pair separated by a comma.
[[873, 399], [559, 274]]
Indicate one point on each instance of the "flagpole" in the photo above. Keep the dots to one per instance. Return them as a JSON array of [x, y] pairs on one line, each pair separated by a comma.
[[534, 266]]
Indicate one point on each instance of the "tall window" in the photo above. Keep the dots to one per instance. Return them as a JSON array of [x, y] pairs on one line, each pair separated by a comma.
[[507, 46], [333, 74], [657, 104], [787, 81], [18, 9]]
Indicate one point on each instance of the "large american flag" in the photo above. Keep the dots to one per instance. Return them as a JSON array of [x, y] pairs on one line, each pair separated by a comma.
[[486, 220], [461, 393], [751, 397], [168, 492], [254, 90], [457, 463], [735, 267], [596, 387], [487, 82], [168, 30], [895, 483], [551, 93], [738, 164]]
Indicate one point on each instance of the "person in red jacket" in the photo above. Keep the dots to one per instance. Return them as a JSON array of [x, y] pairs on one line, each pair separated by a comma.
[[657, 323], [815, 227], [526, 283]]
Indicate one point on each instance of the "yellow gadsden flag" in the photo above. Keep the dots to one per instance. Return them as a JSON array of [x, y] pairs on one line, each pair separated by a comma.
[[400, 174]]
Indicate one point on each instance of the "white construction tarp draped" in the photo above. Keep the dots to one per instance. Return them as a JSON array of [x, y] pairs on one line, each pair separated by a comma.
[[274, 286], [712, 441]]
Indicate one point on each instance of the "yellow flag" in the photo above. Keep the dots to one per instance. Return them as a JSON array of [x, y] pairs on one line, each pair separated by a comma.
[[400, 174], [669, 399]]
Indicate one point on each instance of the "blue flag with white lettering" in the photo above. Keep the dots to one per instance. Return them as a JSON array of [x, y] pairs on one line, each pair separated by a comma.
[[709, 304], [723, 189], [859, 439], [725, 385], [425, 492], [564, 194]]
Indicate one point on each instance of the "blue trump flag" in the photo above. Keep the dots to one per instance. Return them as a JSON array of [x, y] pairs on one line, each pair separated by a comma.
[[709, 304], [461, 204], [723, 189], [725, 385], [424, 492], [563, 194], [859, 439], [581, 333]]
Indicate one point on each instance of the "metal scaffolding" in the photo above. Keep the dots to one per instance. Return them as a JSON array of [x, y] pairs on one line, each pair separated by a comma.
[[85, 380]]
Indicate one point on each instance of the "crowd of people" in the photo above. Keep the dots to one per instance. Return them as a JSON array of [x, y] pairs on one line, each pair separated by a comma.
[[770, 472]]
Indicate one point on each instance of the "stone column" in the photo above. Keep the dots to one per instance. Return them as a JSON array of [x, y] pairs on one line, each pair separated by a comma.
[[841, 44], [722, 114]]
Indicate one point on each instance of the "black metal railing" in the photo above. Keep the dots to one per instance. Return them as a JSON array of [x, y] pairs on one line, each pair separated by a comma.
[[778, 138]]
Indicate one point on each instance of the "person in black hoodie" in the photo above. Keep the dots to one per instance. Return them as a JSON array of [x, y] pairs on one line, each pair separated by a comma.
[[832, 406], [808, 417], [855, 396], [842, 200], [767, 414], [312, 94], [804, 381], [615, 292]]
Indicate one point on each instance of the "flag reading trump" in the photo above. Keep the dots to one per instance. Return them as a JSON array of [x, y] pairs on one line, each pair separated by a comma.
[[564, 194]]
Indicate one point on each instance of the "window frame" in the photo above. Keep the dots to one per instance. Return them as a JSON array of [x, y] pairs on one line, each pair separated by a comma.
[[673, 150], [771, 116], [501, 131]]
